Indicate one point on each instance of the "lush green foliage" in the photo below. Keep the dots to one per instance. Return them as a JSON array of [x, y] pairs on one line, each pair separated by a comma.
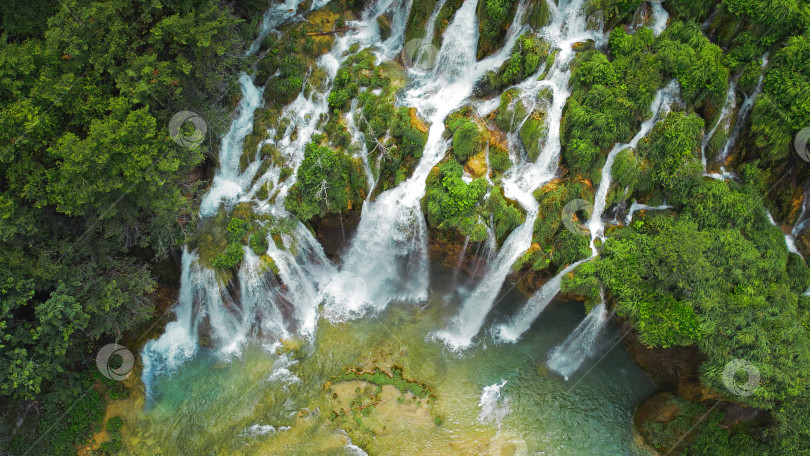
[[232, 255], [71, 412], [450, 202], [380, 378], [716, 276], [506, 214], [494, 17], [467, 141], [673, 148], [609, 98], [553, 245], [698, 64], [613, 11], [527, 54], [90, 175], [328, 181]]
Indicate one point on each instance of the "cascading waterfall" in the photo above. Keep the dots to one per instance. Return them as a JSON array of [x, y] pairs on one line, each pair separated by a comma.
[[424, 54], [660, 17], [724, 119], [468, 322], [359, 141], [178, 342], [660, 107], [520, 323], [568, 26], [394, 267], [643, 207], [264, 306], [790, 243], [566, 358], [228, 182], [745, 110], [273, 17]]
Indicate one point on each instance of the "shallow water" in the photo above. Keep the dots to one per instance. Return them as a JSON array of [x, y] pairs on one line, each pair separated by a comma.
[[263, 403]]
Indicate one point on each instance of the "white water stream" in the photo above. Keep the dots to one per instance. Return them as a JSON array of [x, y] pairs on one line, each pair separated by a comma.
[[566, 358]]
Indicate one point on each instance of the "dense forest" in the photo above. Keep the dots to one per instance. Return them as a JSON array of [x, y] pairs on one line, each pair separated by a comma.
[[97, 200]]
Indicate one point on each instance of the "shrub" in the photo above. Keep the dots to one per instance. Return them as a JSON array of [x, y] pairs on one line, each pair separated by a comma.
[[467, 141], [231, 257], [329, 181]]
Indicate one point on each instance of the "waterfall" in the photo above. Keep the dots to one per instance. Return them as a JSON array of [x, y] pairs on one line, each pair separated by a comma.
[[567, 27], [801, 221], [423, 56], [394, 266], [273, 17], [359, 140], [639, 207], [511, 332], [257, 290], [520, 323], [493, 406], [265, 305], [566, 358], [228, 182], [179, 340], [725, 119], [660, 17], [467, 323], [790, 243], [660, 107], [745, 110]]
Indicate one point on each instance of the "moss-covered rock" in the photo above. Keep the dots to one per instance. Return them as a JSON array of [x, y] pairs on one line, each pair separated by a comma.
[[534, 131], [494, 18], [511, 111], [476, 165], [528, 53], [417, 19], [384, 24], [328, 181], [467, 141], [538, 13]]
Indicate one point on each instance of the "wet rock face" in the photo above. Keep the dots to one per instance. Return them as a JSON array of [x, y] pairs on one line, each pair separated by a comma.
[[673, 369], [448, 247], [335, 231]]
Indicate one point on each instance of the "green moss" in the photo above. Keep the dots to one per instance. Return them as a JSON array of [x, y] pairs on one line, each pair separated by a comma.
[[417, 19], [467, 141], [696, 62], [533, 134], [538, 13], [511, 111], [380, 378], [232, 256], [499, 158], [494, 17], [328, 181], [528, 53], [506, 214], [449, 202]]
